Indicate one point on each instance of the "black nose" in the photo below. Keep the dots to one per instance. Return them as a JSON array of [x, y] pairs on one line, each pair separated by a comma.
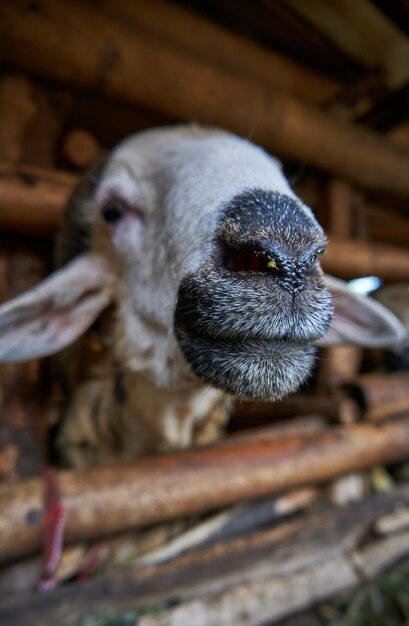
[[292, 272], [265, 231]]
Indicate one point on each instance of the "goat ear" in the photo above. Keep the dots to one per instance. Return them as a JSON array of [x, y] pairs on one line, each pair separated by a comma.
[[53, 314], [360, 320]]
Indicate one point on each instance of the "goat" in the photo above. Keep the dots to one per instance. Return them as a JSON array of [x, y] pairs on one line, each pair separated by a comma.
[[195, 268]]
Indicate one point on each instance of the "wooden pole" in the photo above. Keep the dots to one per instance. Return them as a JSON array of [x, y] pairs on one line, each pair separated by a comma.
[[200, 37], [91, 51], [323, 549], [32, 199], [335, 407], [353, 258], [105, 500]]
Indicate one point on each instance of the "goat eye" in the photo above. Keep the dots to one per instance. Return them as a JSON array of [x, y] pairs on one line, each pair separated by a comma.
[[113, 212]]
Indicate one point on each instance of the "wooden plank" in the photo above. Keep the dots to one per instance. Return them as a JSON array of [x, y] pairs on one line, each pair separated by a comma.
[[94, 52]]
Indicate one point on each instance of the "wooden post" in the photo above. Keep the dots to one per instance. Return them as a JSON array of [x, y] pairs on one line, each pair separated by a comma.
[[334, 407]]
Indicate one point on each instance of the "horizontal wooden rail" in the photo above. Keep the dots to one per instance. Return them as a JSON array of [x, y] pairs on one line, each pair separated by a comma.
[[105, 500], [293, 564]]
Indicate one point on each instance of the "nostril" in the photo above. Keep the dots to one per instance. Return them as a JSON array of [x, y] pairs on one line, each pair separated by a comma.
[[248, 260]]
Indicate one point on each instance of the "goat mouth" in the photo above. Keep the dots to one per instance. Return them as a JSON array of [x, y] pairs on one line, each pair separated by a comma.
[[254, 368]]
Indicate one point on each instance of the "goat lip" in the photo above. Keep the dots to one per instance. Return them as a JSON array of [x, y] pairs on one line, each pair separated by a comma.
[[264, 369], [243, 339], [247, 343]]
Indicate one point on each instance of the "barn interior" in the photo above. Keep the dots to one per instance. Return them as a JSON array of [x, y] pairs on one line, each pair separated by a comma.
[[309, 496]]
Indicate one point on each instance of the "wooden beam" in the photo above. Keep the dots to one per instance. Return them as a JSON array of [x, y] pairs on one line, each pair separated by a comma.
[[281, 28], [105, 500], [362, 31], [93, 52], [198, 36]]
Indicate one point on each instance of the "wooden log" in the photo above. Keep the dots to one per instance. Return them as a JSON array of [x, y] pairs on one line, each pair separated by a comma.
[[322, 547], [297, 426], [32, 199], [93, 52], [81, 148], [353, 258], [104, 500], [381, 396], [272, 599], [362, 31], [198, 36], [335, 407], [158, 543]]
